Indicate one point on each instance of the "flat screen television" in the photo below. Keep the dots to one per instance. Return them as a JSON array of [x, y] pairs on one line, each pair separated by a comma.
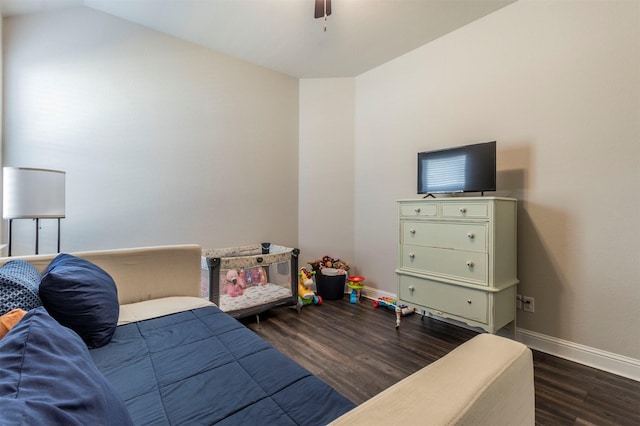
[[469, 168]]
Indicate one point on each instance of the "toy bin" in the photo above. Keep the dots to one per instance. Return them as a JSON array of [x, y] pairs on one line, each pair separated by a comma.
[[251, 279], [330, 287]]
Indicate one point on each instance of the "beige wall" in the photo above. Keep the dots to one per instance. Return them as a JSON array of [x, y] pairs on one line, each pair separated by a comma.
[[163, 141], [557, 84], [326, 172]]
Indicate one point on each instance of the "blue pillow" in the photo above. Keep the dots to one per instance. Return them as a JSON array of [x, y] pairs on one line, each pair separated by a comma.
[[81, 296], [48, 377], [19, 281]]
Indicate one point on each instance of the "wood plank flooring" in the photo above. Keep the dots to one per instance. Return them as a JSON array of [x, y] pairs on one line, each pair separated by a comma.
[[356, 349]]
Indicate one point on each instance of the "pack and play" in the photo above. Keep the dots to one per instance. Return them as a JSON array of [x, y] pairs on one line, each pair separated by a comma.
[[251, 279]]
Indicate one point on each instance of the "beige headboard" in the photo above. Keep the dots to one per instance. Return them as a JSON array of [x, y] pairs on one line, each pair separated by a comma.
[[141, 273]]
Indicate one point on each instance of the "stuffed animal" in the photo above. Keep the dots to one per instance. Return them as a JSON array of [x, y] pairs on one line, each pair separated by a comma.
[[329, 262], [306, 296], [233, 285], [257, 276], [341, 265], [242, 276]]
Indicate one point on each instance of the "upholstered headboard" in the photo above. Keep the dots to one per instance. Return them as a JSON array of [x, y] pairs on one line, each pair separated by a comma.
[[141, 273]]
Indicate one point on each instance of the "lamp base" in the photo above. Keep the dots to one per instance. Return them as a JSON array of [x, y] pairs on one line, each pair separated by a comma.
[[37, 219]]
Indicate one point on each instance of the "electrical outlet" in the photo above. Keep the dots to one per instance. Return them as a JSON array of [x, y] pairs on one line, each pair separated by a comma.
[[519, 302], [529, 304]]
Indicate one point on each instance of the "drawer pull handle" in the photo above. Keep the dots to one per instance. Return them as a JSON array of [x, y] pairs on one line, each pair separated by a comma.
[[412, 255], [412, 231], [463, 209], [471, 235], [469, 301], [417, 209], [469, 264], [411, 288]]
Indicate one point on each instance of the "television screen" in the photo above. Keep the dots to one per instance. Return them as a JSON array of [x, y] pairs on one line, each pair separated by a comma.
[[470, 168]]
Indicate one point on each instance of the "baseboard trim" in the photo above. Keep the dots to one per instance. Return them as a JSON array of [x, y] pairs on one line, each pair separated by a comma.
[[585, 355], [374, 293]]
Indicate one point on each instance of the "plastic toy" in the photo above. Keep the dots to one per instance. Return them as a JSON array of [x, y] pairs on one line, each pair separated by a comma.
[[306, 296], [391, 303], [356, 286]]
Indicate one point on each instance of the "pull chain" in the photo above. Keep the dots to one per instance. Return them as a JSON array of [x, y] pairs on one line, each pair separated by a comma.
[[325, 16], [322, 10]]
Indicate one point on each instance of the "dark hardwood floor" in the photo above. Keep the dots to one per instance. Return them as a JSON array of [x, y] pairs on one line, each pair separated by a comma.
[[356, 349]]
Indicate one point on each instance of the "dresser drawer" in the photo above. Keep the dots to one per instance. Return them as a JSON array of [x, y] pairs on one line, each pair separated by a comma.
[[457, 236], [465, 210], [419, 209], [455, 264], [445, 299]]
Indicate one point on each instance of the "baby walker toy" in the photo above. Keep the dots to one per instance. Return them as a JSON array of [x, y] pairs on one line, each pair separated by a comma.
[[356, 286], [306, 296], [391, 303]]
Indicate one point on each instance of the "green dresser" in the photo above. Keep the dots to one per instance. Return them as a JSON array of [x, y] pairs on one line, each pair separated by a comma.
[[457, 259]]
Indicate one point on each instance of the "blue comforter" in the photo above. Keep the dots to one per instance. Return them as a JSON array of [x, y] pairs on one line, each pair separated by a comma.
[[204, 367]]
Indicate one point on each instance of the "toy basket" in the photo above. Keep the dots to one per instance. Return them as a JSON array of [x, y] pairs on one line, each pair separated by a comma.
[[330, 287]]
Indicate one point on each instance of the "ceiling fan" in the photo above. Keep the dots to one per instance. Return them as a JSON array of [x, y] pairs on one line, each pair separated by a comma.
[[323, 9]]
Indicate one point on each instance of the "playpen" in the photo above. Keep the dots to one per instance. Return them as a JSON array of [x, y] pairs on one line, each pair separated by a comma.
[[251, 279]]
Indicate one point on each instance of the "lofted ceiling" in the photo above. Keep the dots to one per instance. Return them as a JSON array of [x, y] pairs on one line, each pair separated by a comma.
[[283, 35]]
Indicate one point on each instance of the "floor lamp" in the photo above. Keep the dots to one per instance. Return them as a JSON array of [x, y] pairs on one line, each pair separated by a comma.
[[33, 194]]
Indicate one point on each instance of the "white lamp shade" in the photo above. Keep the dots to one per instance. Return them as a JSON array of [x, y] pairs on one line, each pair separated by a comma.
[[32, 193]]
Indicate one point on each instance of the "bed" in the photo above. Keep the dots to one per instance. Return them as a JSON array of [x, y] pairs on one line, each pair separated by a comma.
[[225, 374]]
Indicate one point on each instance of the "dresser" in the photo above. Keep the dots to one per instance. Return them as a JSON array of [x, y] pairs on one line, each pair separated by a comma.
[[457, 259]]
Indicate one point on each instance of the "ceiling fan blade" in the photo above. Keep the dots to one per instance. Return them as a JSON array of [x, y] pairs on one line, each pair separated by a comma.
[[320, 8]]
